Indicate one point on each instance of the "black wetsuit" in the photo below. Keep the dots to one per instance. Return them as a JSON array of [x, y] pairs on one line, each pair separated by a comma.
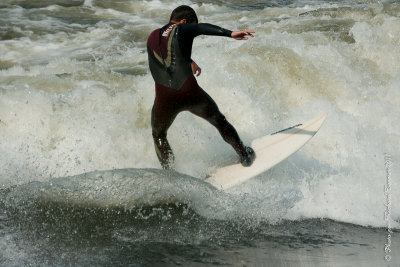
[[169, 50]]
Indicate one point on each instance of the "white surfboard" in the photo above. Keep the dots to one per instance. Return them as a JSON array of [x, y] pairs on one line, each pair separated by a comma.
[[270, 150]]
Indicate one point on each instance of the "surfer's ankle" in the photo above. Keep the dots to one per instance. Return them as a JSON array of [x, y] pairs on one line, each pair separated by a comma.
[[168, 166], [248, 158], [168, 163]]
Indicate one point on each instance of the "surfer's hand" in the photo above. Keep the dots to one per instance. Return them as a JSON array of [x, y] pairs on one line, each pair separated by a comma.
[[195, 69], [241, 35]]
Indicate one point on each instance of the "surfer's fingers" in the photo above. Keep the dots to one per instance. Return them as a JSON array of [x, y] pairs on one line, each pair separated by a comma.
[[249, 32], [242, 35]]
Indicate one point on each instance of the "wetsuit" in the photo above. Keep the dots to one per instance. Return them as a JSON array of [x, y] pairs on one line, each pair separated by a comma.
[[169, 51]]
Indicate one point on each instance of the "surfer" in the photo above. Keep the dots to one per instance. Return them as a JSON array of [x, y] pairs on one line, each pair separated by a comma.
[[169, 51]]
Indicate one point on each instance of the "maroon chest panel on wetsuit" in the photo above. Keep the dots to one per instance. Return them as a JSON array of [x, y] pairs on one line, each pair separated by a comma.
[[158, 42]]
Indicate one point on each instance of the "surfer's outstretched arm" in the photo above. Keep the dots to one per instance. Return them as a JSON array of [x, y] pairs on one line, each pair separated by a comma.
[[194, 30], [215, 30]]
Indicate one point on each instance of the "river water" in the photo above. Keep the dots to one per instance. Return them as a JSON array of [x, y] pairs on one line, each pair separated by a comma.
[[80, 181]]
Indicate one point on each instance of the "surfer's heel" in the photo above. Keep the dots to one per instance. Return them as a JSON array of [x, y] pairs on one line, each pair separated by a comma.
[[248, 159]]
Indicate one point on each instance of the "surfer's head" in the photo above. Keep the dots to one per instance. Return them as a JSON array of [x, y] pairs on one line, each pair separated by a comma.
[[183, 14]]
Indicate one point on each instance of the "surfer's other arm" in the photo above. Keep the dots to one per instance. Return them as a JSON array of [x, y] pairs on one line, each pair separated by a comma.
[[195, 68]]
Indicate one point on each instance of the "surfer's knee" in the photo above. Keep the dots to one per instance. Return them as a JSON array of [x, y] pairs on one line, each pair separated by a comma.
[[217, 119]]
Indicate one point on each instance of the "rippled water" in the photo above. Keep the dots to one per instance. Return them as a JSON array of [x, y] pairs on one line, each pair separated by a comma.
[[81, 184]]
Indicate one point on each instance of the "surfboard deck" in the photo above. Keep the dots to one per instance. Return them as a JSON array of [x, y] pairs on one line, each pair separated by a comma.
[[270, 150]]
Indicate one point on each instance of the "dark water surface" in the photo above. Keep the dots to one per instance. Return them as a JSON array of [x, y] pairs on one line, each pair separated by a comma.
[[169, 235]]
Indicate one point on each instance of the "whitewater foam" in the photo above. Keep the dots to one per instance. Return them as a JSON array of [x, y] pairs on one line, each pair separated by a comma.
[[80, 100]]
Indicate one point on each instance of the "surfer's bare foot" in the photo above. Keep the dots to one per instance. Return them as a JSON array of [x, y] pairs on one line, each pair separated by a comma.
[[248, 159]]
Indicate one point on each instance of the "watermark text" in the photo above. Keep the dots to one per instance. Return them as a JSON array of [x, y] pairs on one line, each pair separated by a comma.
[[388, 206]]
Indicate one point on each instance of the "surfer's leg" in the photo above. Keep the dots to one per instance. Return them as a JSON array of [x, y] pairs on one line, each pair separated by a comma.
[[164, 112], [207, 109], [160, 124]]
